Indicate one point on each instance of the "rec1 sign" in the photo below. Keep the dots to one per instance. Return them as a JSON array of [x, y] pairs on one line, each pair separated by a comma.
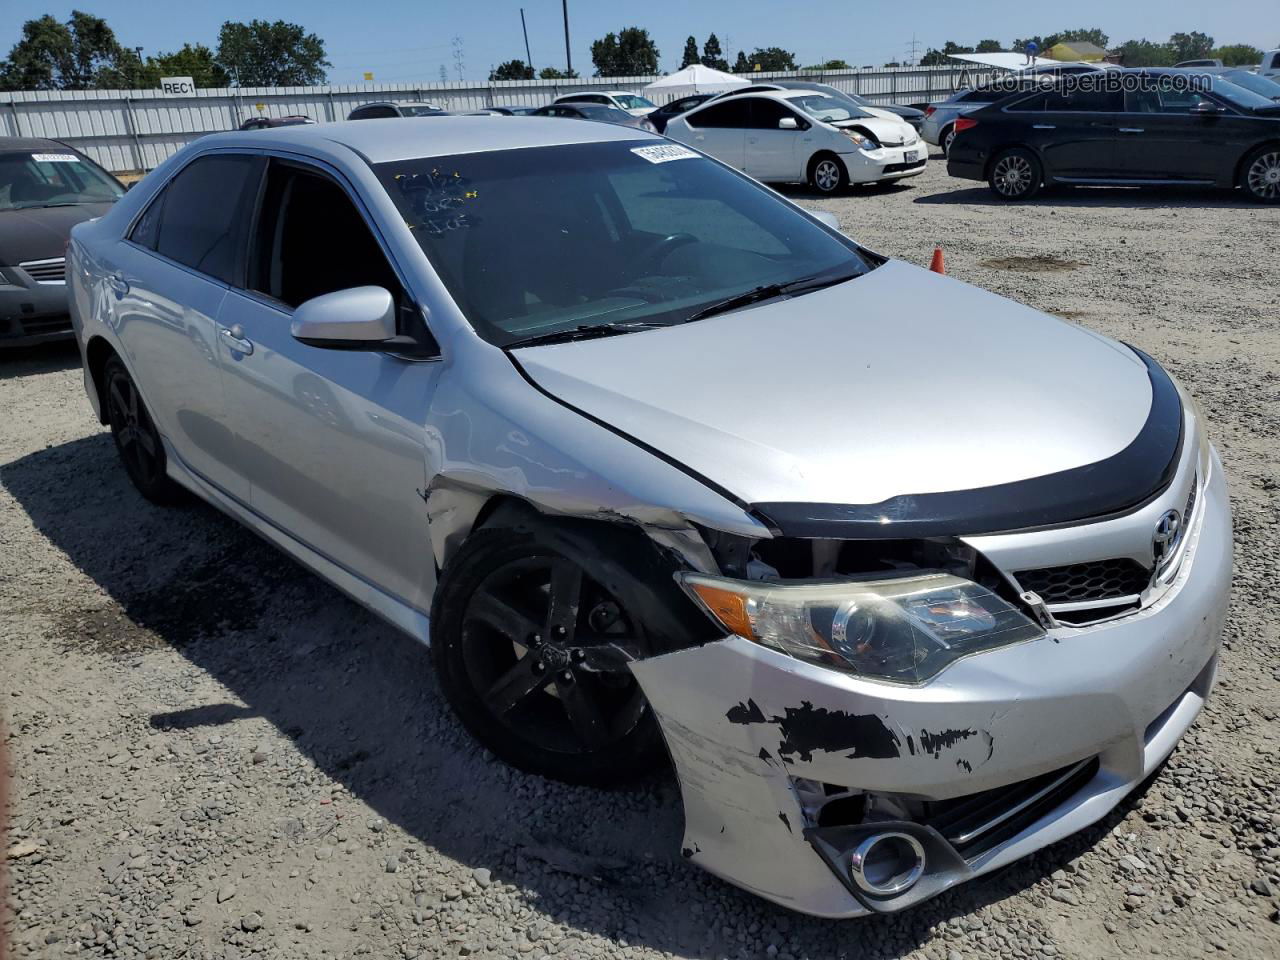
[[177, 86]]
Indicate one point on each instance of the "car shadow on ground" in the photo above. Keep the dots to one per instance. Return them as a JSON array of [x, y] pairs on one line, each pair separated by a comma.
[[1130, 198], [42, 358], [358, 699], [799, 192]]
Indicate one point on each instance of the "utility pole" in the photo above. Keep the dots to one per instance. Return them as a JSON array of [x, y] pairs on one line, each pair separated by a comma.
[[913, 51], [528, 57], [137, 80], [457, 58], [568, 57]]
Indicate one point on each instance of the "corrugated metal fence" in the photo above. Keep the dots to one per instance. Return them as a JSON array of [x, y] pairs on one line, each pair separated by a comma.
[[134, 130]]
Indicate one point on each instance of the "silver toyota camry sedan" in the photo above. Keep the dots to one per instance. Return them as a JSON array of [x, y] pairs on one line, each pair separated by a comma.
[[906, 579]]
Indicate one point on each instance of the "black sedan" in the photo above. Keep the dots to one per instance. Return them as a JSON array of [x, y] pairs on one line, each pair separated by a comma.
[[46, 188], [1129, 128], [593, 111]]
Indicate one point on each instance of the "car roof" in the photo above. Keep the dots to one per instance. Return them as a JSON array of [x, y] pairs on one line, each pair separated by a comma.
[[385, 140], [27, 144]]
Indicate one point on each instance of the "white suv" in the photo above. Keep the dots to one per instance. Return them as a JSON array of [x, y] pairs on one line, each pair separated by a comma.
[[635, 105]]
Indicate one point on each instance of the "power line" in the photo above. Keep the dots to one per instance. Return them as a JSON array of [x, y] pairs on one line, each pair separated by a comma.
[[458, 63]]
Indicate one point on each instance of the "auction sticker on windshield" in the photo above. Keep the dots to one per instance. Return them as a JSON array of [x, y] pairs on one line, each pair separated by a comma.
[[664, 152], [55, 158]]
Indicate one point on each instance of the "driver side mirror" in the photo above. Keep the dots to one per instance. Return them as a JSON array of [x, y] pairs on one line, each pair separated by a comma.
[[1207, 109], [788, 123], [358, 318]]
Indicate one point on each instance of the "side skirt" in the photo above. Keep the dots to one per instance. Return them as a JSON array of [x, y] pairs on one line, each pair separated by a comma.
[[394, 611]]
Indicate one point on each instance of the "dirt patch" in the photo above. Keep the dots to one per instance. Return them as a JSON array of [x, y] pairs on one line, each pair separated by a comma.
[[1037, 264]]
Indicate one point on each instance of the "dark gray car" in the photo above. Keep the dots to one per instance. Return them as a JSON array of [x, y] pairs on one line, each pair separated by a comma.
[[46, 188]]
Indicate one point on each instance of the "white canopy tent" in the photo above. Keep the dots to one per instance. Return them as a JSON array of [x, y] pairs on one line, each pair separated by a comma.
[[693, 79]]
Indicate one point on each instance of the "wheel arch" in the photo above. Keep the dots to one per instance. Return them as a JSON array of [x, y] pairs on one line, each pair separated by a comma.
[[96, 354], [1045, 171], [1238, 171]]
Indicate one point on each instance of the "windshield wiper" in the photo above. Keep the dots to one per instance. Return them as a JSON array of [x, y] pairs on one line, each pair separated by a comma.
[[769, 291], [584, 331]]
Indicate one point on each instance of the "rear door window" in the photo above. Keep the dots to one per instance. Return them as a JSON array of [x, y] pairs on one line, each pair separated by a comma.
[[198, 219], [732, 113]]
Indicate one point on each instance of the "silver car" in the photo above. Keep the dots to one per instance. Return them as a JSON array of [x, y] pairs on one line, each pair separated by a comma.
[[909, 580]]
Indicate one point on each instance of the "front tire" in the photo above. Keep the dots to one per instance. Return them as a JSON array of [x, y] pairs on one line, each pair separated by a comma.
[[1016, 174], [531, 633], [827, 174], [136, 437], [1260, 174]]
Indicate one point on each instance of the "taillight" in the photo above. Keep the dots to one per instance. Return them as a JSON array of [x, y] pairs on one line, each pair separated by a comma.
[[965, 123], [929, 111]]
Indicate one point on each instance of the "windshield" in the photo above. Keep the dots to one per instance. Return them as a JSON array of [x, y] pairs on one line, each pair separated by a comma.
[[1253, 83], [54, 179], [629, 101], [540, 240], [1228, 90], [829, 109], [423, 110], [594, 111]]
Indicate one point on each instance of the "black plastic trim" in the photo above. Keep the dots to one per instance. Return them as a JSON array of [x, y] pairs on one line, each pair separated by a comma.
[[1112, 487]]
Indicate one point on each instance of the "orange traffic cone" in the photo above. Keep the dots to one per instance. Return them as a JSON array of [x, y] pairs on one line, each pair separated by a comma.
[[938, 264]]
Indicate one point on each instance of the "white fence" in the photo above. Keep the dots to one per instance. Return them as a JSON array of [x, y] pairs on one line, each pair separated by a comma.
[[134, 130]]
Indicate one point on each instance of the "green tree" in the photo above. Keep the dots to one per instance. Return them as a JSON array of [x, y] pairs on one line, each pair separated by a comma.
[[80, 54], [1145, 53], [279, 54], [712, 55], [742, 65], [194, 61], [690, 53], [551, 73], [989, 46], [950, 47], [933, 58], [830, 65], [1238, 55], [630, 53], [772, 59], [1091, 35], [512, 70], [1190, 46]]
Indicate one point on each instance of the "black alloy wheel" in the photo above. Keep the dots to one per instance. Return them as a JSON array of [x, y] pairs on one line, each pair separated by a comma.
[[136, 437], [532, 651]]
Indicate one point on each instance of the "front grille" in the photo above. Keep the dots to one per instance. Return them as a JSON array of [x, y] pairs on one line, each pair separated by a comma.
[[899, 167], [981, 821], [46, 271], [1081, 582]]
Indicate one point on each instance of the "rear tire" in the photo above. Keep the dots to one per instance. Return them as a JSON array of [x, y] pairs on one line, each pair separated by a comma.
[[948, 137], [136, 437], [827, 174], [1015, 174], [531, 631], [1260, 174]]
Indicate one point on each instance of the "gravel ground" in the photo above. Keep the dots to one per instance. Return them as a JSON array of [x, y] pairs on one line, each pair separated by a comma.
[[216, 755]]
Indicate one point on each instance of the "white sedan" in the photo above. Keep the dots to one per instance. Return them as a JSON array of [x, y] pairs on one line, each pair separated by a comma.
[[799, 136]]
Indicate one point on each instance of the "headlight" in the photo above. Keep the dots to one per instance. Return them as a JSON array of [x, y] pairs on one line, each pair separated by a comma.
[[864, 143], [905, 630]]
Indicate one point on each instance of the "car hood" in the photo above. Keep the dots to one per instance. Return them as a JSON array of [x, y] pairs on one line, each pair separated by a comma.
[[41, 233], [899, 382], [883, 128]]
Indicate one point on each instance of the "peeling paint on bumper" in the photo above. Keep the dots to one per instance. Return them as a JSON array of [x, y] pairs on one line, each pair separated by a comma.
[[741, 720]]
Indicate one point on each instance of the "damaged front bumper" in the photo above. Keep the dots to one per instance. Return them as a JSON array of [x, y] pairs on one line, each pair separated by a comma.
[[1008, 750]]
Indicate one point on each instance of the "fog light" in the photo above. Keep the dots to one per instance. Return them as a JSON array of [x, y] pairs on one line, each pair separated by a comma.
[[886, 864]]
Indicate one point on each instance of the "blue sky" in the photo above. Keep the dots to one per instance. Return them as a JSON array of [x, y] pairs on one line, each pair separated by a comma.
[[408, 40]]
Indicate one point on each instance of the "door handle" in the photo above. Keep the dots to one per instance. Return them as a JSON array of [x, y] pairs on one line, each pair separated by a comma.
[[118, 285], [1132, 130], [1044, 126], [236, 340]]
